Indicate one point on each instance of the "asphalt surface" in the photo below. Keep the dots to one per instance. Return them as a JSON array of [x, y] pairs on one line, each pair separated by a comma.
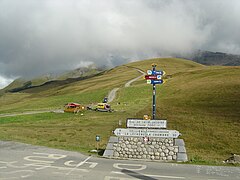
[[23, 161]]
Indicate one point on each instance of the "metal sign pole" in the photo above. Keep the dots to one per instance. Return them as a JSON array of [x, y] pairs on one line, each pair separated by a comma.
[[154, 95], [154, 101]]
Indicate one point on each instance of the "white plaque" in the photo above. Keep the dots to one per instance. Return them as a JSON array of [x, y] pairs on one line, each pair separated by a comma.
[[139, 123], [146, 132]]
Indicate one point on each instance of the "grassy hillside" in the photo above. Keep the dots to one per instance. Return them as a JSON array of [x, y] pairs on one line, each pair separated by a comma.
[[201, 102], [204, 106], [61, 78]]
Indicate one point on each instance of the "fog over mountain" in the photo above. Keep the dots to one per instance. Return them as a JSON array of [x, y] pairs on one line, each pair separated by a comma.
[[40, 36]]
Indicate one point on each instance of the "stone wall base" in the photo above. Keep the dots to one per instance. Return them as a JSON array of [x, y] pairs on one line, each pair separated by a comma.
[[165, 149]]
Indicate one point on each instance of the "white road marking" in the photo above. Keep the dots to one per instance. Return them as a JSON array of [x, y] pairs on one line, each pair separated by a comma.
[[28, 158], [10, 164], [81, 163], [150, 175], [139, 166], [13, 174], [43, 166], [118, 178], [69, 163], [93, 164], [52, 156]]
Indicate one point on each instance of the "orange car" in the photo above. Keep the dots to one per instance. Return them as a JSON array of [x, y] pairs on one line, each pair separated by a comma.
[[73, 107]]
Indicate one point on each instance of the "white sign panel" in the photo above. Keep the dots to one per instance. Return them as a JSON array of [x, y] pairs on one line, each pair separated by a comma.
[[146, 132], [139, 123], [149, 72]]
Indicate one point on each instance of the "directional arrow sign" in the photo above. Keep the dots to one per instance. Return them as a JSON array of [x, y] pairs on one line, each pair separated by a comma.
[[153, 77], [150, 72], [146, 133], [158, 72], [160, 81], [140, 123]]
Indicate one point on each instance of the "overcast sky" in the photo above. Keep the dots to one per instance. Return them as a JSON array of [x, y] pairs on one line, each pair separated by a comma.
[[41, 36]]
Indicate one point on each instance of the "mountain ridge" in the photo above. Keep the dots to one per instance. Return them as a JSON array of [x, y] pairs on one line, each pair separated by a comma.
[[21, 84], [214, 58]]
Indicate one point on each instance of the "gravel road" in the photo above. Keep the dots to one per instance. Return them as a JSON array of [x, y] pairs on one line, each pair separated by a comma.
[[112, 93]]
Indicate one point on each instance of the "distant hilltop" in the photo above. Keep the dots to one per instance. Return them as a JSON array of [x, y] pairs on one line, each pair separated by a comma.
[[52, 80], [214, 58]]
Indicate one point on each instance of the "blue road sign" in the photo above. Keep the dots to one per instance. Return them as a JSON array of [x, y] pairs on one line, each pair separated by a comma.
[[159, 81], [158, 72]]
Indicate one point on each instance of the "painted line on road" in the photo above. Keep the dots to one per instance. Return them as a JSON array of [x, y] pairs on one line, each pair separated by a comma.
[[150, 175], [16, 174], [81, 163], [44, 166], [119, 178], [141, 166]]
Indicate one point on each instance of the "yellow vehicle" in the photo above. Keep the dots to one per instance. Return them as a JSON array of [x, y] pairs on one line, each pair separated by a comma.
[[103, 107], [146, 117], [73, 107]]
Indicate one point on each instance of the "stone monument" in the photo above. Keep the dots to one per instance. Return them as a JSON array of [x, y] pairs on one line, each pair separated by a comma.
[[147, 138]]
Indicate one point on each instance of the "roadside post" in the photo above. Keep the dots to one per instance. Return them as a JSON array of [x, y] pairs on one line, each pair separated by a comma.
[[97, 141], [154, 77]]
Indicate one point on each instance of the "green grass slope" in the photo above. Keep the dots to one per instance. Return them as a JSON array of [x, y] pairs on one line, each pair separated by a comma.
[[204, 106], [23, 83], [199, 101]]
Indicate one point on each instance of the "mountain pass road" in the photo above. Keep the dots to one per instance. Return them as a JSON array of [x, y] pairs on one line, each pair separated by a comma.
[[23, 161]]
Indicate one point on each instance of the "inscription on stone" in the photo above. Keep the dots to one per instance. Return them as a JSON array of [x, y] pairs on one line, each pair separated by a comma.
[[134, 132], [139, 123]]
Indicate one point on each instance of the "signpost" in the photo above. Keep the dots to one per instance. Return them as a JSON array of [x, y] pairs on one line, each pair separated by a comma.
[[158, 72], [154, 77], [155, 81], [139, 123], [134, 132], [147, 131], [97, 140], [154, 72]]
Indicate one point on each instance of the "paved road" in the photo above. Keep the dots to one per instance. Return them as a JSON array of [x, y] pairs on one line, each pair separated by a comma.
[[22, 161]]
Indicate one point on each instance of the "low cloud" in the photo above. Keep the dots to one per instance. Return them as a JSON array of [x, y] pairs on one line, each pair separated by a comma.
[[51, 35], [5, 81]]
